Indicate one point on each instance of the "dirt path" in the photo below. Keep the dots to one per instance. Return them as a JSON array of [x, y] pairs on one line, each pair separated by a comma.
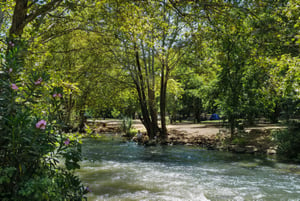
[[186, 133], [187, 128], [209, 135], [255, 139], [180, 131]]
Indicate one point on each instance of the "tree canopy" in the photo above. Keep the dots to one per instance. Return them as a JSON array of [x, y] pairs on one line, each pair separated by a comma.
[[237, 58], [158, 60]]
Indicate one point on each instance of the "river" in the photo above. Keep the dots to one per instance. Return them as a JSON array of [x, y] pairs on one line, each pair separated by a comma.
[[116, 170]]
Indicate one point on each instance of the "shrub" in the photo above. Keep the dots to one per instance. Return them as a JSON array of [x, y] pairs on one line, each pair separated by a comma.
[[288, 141], [132, 132], [239, 141], [126, 125], [32, 141]]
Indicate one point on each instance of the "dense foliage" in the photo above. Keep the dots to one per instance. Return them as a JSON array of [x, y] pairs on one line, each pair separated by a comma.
[[37, 160], [66, 60], [180, 60], [288, 141], [32, 143]]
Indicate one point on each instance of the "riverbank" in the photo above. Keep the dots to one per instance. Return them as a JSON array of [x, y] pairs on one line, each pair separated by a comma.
[[210, 135]]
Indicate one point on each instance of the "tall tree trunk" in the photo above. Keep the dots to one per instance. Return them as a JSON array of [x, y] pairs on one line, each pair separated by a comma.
[[68, 111], [82, 120], [82, 104], [2, 14], [197, 107], [153, 111], [145, 114], [148, 117], [19, 18], [274, 117], [163, 96]]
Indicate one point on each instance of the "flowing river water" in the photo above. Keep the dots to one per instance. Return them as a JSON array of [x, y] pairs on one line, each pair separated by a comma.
[[116, 170]]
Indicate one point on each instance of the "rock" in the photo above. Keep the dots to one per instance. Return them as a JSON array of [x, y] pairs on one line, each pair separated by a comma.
[[185, 141], [271, 151], [237, 148], [251, 149], [134, 139], [248, 165], [219, 146], [151, 143]]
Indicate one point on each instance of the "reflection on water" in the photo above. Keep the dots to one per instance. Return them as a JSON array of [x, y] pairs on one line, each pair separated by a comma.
[[116, 170]]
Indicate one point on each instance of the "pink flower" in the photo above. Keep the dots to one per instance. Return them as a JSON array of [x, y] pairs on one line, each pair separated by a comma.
[[88, 189], [11, 43], [41, 124], [39, 81], [57, 95], [67, 142], [14, 87], [10, 70]]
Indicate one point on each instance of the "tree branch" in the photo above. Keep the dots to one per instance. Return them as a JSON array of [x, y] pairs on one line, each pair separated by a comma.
[[43, 10], [21, 19]]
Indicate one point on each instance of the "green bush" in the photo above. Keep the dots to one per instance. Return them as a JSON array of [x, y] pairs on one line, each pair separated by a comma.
[[132, 132], [32, 141], [239, 141], [288, 141], [126, 125]]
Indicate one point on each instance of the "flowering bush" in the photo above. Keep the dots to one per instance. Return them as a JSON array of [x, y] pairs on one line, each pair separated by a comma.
[[31, 143], [41, 124]]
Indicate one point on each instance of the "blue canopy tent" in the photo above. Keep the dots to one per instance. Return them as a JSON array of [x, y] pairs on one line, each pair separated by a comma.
[[214, 116]]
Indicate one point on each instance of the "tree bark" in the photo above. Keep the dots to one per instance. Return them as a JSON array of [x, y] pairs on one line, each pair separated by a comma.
[[148, 117], [163, 96], [21, 19], [2, 14], [153, 111]]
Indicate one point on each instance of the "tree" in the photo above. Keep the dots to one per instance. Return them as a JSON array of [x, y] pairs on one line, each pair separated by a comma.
[[148, 47]]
